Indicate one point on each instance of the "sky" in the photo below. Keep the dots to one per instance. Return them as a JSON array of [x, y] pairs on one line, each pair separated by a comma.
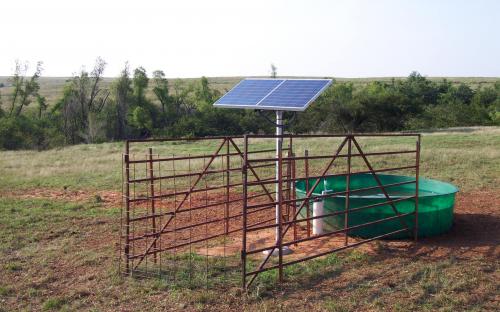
[[191, 38]]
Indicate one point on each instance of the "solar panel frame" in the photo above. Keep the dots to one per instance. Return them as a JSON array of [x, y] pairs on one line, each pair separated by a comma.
[[284, 107]]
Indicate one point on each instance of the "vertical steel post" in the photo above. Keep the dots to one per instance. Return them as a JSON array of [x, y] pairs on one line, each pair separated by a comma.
[[288, 185], [226, 212], [279, 142], [294, 204], [127, 207], [152, 193], [244, 226], [308, 211], [348, 191], [417, 174], [280, 213]]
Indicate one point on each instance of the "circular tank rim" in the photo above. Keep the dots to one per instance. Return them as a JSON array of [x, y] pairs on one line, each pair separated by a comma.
[[452, 189]]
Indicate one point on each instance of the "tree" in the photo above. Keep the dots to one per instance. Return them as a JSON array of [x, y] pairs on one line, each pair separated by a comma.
[[169, 110], [141, 119], [82, 102], [140, 83], [24, 90], [204, 95], [42, 105], [123, 97]]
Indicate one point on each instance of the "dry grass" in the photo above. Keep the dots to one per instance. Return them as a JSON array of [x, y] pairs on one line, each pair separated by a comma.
[[468, 159], [59, 254]]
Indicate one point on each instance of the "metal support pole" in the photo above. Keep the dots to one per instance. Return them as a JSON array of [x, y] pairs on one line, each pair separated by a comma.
[[279, 179], [279, 142], [279, 238]]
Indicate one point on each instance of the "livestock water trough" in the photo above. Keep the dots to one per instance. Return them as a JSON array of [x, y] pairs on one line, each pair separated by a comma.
[[435, 212]]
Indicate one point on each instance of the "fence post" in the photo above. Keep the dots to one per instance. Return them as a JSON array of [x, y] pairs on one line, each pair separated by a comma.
[[152, 193], [308, 213], [228, 165], [348, 191], [280, 212], [417, 174], [244, 225], [294, 204], [127, 209]]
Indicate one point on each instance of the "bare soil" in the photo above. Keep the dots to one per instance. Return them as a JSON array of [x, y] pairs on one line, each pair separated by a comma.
[[474, 236], [474, 233]]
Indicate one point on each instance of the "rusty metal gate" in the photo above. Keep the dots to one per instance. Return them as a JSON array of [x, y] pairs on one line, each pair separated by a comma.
[[293, 227], [206, 217]]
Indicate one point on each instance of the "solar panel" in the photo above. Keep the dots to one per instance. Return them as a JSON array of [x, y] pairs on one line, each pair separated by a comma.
[[249, 92], [274, 94]]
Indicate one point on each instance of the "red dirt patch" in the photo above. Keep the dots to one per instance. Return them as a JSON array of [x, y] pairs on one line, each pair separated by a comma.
[[474, 233], [108, 198]]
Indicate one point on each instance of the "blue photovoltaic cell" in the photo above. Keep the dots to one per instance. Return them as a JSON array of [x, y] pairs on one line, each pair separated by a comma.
[[249, 92], [294, 93], [275, 94]]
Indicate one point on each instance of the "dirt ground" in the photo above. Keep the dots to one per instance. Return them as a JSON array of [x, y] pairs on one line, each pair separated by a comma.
[[474, 235], [475, 231]]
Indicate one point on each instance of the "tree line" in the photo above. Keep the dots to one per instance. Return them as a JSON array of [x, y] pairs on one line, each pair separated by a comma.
[[90, 111]]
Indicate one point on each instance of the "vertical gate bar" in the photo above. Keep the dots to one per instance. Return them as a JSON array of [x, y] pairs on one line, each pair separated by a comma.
[[146, 227], [127, 207], [244, 227], [161, 210], [121, 245], [308, 212], [226, 212], [134, 206], [206, 226], [190, 222], [294, 204], [288, 176], [175, 220], [417, 175], [152, 193], [288, 185], [225, 175], [280, 212], [348, 191]]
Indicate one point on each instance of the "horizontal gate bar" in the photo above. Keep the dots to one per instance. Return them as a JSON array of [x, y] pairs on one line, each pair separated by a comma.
[[305, 239], [326, 252], [269, 181], [388, 202], [328, 195], [330, 156]]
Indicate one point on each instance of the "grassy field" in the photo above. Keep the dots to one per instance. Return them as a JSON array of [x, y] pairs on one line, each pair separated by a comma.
[[52, 87], [59, 252]]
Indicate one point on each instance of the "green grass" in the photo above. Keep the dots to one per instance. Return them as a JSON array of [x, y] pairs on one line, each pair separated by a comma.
[[58, 255], [468, 159]]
